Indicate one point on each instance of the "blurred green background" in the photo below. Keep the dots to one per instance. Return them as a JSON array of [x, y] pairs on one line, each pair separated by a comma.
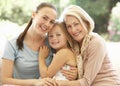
[[14, 14]]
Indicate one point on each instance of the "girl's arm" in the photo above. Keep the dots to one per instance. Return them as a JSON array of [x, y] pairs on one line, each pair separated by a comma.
[[59, 60]]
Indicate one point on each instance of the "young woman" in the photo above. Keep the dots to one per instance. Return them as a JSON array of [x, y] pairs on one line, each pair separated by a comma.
[[20, 59], [61, 42]]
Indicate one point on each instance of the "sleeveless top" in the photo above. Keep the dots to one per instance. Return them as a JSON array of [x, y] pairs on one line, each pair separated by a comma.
[[59, 75]]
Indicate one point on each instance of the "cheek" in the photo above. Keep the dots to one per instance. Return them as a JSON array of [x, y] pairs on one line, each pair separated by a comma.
[[69, 31], [86, 31], [40, 20], [51, 25], [49, 40], [50, 28], [64, 40], [36, 22]]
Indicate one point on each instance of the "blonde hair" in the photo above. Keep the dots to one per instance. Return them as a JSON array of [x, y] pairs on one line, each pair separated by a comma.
[[88, 24], [84, 18]]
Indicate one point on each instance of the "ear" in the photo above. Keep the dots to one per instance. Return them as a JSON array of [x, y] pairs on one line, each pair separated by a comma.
[[33, 14]]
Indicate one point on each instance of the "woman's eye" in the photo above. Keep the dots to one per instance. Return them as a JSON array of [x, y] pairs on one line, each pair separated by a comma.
[[52, 22], [45, 18], [76, 24], [68, 27]]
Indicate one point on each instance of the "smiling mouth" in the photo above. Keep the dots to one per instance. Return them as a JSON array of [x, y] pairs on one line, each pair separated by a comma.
[[77, 34], [55, 43], [44, 28]]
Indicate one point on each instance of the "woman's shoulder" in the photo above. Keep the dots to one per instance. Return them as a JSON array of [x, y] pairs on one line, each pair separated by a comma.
[[96, 42], [97, 39], [11, 42]]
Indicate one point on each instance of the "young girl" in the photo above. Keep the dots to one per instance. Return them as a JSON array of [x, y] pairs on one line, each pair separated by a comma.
[[64, 57]]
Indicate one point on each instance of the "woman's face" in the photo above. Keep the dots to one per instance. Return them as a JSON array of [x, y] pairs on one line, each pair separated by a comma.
[[75, 28], [43, 21], [57, 38]]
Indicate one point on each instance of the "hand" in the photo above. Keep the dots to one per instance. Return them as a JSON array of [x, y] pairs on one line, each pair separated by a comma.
[[71, 74], [43, 52], [47, 82], [41, 82], [10, 85]]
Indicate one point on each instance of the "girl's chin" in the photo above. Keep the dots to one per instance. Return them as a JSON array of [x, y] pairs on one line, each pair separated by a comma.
[[78, 39]]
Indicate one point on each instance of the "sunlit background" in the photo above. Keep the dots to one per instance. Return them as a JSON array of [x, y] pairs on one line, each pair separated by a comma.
[[14, 14]]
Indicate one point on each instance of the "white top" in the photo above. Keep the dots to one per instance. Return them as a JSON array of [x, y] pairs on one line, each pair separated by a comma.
[[59, 75]]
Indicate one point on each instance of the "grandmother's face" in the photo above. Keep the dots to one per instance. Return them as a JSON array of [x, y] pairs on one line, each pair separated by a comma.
[[75, 28]]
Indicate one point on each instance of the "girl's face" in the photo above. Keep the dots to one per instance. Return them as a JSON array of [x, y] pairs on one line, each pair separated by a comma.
[[75, 28], [44, 20], [57, 38]]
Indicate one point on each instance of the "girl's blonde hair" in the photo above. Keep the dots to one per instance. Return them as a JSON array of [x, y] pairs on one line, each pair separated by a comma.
[[84, 18], [64, 30]]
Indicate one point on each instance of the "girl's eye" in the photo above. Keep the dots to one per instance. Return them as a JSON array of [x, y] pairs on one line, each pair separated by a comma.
[[58, 34], [50, 36]]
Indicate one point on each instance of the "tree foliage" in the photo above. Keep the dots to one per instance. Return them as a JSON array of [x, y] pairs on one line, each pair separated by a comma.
[[99, 10], [19, 11], [114, 24]]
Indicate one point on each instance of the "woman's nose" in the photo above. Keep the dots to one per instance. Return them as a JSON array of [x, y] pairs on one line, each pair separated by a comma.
[[73, 29], [47, 23]]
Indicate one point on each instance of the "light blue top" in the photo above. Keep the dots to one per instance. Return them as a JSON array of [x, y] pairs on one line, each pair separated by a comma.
[[25, 60]]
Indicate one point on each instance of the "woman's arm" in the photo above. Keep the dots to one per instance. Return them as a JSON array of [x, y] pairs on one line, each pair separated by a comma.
[[71, 74], [52, 82], [68, 83], [7, 72], [94, 60]]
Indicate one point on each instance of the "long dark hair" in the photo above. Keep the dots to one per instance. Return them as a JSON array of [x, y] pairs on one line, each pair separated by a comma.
[[22, 35]]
